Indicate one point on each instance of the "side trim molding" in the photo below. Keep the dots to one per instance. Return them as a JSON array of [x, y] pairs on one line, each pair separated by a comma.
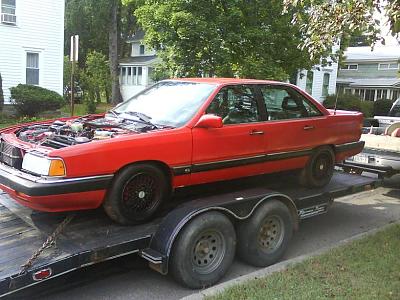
[[223, 164], [231, 163]]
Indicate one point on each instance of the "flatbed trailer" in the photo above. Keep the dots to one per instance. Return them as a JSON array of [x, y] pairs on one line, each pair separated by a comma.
[[91, 237]]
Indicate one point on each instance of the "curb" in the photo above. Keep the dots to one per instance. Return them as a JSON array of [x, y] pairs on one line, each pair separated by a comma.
[[212, 291]]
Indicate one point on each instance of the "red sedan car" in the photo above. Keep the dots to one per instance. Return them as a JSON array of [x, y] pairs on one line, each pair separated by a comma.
[[176, 133]]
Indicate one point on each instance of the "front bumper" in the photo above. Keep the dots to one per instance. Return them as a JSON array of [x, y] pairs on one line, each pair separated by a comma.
[[54, 194]]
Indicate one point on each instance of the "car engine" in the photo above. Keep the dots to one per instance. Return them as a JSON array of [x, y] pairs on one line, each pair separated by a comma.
[[60, 134]]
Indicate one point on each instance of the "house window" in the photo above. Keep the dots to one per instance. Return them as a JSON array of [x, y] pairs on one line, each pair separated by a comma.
[[8, 11], [353, 67], [388, 66], [131, 76], [141, 49], [370, 95], [395, 94], [325, 84], [32, 68], [381, 94], [309, 82], [360, 93]]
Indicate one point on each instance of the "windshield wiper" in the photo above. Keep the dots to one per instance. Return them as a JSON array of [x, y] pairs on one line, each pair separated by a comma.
[[113, 113], [141, 118]]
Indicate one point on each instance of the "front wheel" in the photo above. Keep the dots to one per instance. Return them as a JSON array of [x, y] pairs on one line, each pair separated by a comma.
[[136, 194], [319, 169], [203, 251]]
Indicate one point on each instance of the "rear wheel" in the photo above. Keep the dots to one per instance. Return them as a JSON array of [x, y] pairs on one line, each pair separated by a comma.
[[319, 169], [264, 238], [136, 194], [203, 251]]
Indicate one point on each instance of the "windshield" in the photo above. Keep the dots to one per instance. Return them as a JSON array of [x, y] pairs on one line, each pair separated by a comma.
[[168, 103], [395, 110]]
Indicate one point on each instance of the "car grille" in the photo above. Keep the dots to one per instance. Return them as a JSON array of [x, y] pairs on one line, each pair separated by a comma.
[[10, 155]]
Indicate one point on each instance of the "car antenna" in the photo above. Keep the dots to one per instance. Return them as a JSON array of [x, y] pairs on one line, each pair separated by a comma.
[[334, 111]]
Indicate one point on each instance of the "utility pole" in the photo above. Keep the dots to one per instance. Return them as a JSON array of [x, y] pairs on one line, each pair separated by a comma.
[[74, 55]]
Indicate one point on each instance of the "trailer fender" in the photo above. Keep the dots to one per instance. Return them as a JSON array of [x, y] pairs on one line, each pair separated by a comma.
[[238, 208]]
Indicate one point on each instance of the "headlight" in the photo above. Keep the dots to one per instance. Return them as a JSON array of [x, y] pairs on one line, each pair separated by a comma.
[[43, 165]]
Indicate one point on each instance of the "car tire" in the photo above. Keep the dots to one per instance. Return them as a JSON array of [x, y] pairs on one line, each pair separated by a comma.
[[203, 251], [319, 168], [265, 236], [136, 193]]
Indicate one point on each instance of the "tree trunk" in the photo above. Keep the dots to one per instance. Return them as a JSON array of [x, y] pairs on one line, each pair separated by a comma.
[[113, 52], [1, 94]]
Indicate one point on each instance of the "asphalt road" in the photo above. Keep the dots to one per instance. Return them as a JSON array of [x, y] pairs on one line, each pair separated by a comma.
[[130, 278]]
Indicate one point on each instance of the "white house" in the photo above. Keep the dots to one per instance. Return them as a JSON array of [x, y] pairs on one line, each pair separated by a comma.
[[136, 70], [320, 81], [32, 44]]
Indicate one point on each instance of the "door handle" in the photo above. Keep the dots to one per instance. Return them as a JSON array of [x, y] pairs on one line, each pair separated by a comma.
[[308, 127], [256, 132]]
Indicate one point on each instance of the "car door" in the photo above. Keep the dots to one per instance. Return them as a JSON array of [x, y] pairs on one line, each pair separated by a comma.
[[294, 124], [233, 150]]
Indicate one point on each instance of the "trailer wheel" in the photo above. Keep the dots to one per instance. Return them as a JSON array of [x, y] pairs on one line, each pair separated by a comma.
[[319, 169], [264, 237], [136, 194], [203, 251]]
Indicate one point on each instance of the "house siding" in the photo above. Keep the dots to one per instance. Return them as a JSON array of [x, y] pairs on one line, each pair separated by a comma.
[[39, 29], [318, 78], [369, 70]]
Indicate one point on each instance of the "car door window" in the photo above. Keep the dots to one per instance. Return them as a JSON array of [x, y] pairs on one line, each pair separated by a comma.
[[284, 103], [235, 105]]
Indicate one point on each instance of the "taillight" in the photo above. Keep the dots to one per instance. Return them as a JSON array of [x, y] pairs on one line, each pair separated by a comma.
[[42, 274]]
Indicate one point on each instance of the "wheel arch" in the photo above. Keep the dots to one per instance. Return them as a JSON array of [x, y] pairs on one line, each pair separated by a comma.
[[159, 164]]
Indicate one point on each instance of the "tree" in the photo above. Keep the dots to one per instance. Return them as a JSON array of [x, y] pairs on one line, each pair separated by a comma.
[[1, 94], [96, 77], [113, 44], [245, 38], [325, 23], [103, 26]]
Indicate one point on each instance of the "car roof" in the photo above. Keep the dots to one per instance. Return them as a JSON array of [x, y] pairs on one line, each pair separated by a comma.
[[226, 80]]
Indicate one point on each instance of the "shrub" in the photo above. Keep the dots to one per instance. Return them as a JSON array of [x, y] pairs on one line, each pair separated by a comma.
[[30, 100], [90, 106], [350, 102], [382, 107]]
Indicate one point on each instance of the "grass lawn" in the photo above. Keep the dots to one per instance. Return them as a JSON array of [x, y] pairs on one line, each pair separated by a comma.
[[365, 269], [80, 109]]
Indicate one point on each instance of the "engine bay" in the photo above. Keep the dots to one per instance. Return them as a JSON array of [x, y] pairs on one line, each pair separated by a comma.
[[60, 134]]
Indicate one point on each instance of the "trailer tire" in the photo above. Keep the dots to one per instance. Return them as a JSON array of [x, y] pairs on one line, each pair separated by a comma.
[[264, 237], [203, 251], [136, 194], [319, 168]]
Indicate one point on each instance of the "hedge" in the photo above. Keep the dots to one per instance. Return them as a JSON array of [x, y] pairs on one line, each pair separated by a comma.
[[350, 102], [30, 100]]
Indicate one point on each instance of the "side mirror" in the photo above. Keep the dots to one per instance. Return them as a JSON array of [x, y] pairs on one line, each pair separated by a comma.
[[209, 121]]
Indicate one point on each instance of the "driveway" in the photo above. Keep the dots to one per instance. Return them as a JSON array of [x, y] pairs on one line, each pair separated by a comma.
[[130, 278]]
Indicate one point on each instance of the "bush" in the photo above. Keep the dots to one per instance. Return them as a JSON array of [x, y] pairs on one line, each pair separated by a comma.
[[90, 107], [350, 102], [30, 100], [382, 107]]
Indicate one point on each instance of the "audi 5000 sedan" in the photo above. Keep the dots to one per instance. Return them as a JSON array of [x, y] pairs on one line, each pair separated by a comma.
[[176, 133]]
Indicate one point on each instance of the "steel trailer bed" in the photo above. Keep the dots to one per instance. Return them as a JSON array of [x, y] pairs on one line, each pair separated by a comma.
[[91, 237]]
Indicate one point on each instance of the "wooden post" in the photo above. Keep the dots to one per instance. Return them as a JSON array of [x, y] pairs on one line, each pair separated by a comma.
[[74, 58], [72, 85]]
